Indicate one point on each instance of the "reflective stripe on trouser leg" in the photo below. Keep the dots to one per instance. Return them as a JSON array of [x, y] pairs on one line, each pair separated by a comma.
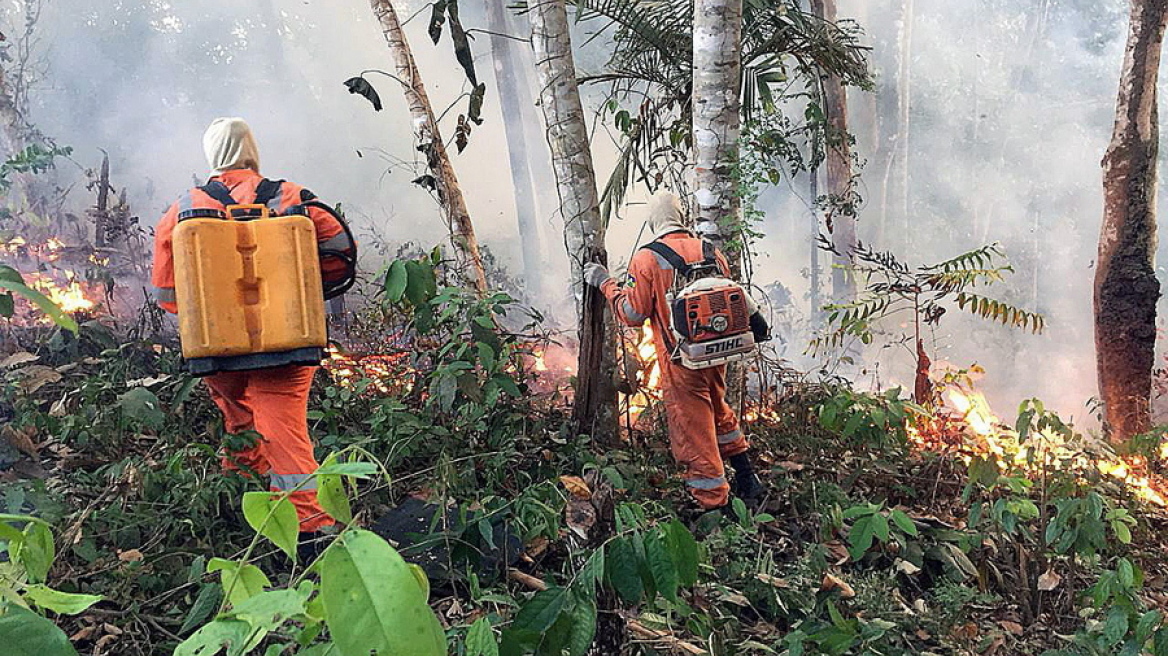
[[692, 437], [279, 399], [291, 482], [731, 440]]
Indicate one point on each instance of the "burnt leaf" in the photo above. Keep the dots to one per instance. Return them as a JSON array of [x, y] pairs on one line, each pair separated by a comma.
[[462, 134], [437, 19], [427, 182], [475, 112], [461, 43], [360, 85]]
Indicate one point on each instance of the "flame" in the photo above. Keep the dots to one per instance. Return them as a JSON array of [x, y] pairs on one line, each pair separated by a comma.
[[70, 295], [646, 388], [966, 425], [382, 374]]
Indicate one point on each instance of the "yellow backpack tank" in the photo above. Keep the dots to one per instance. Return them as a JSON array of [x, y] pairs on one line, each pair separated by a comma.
[[249, 292]]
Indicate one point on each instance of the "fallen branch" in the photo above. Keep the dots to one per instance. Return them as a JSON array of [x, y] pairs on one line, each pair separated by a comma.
[[636, 628]]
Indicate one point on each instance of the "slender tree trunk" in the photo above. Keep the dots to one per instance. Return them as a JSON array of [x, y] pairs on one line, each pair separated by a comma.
[[840, 183], [507, 67], [1126, 287], [430, 142], [594, 411], [816, 301], [904, 125], [717, 82]]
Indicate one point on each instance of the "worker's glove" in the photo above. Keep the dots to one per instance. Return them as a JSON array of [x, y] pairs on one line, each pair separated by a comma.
[[595, 274]]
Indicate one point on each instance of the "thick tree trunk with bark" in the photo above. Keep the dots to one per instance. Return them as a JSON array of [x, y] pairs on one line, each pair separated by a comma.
[[430, 142], [1126, 287], [717, 82], [594, 411], [507, 69], [841, 211]]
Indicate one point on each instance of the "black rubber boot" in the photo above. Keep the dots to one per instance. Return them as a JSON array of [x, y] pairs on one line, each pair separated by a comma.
[[747, 485]]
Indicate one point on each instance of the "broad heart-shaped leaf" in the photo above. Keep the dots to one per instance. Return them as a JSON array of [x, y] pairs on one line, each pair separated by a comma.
[[239, 583], [480, 639], [267, 611], [140, 404], [35, 552], [395, 281], [66, 603], [209, 640], [372, 602], [24, 633], [623, 571], [661, 564], [684, 550], [274, 517]]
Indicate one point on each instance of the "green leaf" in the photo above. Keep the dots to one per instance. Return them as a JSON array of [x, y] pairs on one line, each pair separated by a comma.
[[623, 570], [421, 285], [684, 550], [583, 629], [274, 517], [333, 497], [395, 281], [1122, 532], [268, 611], [140, 404], [904, 522], [35, 552], [480, 639], [541, 611], [860, 537], [66, 603], [592, 571], [239, 583], [209, 640], [443, 390], [24, 633], [661, 565], [363, 470], [1115, 628], [880, 527], [210, 596], [7, 305], [373, 603]]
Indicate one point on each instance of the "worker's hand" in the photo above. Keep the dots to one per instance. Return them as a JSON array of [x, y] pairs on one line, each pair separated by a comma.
[[595, 274]]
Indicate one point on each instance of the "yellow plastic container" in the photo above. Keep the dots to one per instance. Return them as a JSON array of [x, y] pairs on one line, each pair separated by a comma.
[[248, 287]]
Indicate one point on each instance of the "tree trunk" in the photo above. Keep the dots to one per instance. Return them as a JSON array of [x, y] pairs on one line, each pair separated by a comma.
[[840, 184], [507, 67], [904, 125], [430, 142], [594, 411], [717, 81], [1126, 287]]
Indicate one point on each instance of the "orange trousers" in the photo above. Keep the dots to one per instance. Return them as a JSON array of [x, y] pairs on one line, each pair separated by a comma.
[[703, 429], [274, 403]]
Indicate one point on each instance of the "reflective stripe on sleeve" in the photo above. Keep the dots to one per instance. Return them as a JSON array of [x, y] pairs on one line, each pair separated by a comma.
[[285, 482], [706, 483], [164, 294], [338, 242], [632, 314], [727, 438]]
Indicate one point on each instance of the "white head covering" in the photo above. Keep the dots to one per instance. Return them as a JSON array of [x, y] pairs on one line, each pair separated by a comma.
[[228, 144], [665, 214]]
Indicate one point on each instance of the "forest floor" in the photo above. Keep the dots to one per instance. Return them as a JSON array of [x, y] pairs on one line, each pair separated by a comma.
[[872, 540]]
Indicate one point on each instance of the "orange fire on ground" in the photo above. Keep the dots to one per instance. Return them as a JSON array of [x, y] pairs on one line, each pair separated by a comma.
[[646, 388], [967, 427], [40, 266], [69, 295], [382, 374]]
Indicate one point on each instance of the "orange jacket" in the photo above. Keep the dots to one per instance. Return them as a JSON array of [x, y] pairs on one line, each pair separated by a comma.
[[242, 183], [650, 278]]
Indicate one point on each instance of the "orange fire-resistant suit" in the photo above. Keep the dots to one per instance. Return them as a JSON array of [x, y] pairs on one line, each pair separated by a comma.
[[703, 429], [273, 402]]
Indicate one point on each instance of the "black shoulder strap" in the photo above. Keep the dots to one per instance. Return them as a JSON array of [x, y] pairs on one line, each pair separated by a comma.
[[219, 191], [267, 190], [709, 253], [669, 255]]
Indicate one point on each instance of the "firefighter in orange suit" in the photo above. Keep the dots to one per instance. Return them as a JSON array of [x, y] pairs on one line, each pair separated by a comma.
[[703, 429], [273, 401]]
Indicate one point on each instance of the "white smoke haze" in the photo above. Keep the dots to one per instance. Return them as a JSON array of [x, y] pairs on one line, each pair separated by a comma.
[[1011, 110]]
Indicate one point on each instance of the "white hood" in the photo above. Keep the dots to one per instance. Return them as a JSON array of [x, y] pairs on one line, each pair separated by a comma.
[[665, 214], [228, 144]]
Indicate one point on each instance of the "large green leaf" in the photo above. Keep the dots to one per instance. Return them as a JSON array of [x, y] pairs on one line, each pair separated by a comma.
[[66, 603], [541, 611], [140, 404], [209, 598], [480, 639], [11, 281], [373, 603], [684, 550], [623, 570], [232, 635], [583, 630], [395, 281], [274, 517], [240, 583], [661, 565], [36, 551], [24, 633]]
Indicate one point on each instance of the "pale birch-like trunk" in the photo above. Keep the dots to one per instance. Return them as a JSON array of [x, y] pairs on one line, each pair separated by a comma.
[[594, 411], [507, 68], [840, 182], [717, 82], [904, 125], [1126, 287], [430, 142]]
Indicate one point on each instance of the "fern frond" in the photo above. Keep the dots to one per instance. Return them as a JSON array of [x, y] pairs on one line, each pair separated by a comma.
[[1001, 312]]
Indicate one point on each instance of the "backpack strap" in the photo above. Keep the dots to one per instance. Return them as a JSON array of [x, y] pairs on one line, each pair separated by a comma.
[[219, 191], [268, 191], [669, 255]]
